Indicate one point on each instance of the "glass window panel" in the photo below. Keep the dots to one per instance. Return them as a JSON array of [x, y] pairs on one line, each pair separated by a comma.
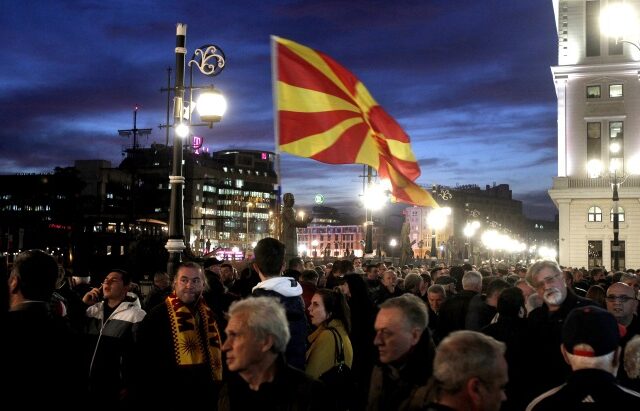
[[615, 90], [593, 91]]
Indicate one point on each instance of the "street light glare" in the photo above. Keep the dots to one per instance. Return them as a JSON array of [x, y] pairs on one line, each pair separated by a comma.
[[374, 197], [614, 147], [594, 168], [182, 130], [615, 165], [211, 106], [618, 21]]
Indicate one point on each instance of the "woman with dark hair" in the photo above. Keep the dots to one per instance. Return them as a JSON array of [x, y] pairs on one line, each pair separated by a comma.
[[363, 316], [511, 329], [329, 312]]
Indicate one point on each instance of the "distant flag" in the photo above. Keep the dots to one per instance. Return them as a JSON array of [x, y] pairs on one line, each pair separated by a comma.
[[325, 113]]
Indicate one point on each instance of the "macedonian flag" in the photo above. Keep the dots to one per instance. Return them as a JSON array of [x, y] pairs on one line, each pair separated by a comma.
[[325, 113]]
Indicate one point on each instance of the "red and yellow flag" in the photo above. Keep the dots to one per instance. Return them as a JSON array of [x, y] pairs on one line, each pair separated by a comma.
[[325, 113]]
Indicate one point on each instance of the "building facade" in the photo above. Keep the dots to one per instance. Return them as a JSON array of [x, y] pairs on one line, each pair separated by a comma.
[[493, 207], [598, 93]]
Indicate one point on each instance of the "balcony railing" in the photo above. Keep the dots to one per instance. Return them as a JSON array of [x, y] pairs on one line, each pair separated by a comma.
[[600, 182]]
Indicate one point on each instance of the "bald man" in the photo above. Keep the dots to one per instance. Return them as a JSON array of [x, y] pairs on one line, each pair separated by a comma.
[[622, 303]]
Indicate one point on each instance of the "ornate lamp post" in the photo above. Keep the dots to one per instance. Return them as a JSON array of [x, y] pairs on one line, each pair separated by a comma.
[[374, 198], [437, 219], [469, 230], [393, 243], [210, 60]]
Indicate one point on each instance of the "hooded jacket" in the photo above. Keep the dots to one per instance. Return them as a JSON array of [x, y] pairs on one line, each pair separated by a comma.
[[111, 343], [289, 292]]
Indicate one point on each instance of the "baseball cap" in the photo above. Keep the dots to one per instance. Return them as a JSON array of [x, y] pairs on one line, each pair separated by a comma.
[[592, 326]]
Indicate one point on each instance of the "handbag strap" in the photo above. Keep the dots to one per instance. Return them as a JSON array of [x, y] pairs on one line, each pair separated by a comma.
[[339, 347]]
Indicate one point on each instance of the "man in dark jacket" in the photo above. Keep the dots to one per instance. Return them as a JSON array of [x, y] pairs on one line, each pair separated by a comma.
[[453, 312], [469, 373], [269, 263], [406, 354], [40, 351], [545, 325], [260, 378], [180, 342], [591, 346]]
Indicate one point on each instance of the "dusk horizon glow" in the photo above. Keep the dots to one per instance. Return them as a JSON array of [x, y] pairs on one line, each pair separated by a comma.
[[469, 82]]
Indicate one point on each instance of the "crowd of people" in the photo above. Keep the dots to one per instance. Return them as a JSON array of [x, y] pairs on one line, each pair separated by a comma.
[[276, 333]]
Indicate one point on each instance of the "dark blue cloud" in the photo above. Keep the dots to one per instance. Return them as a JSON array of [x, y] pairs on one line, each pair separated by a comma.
[[468, 80]]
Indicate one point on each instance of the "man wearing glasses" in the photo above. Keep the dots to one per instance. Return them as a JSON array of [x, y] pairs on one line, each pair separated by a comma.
[[545, 324], [113, 319], [622, 303]]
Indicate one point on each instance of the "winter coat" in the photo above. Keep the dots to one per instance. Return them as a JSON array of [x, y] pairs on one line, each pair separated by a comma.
[[289, 292], [321, 355], [111, 345]]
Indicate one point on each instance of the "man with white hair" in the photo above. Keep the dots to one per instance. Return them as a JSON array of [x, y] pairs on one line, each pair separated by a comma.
[[453, 312], [545, 324], [591, 346], [260, 378]]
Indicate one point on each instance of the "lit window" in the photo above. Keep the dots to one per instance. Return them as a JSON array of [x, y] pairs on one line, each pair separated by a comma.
[[615, 90], [593, 91], [620, 214], [595, 214]]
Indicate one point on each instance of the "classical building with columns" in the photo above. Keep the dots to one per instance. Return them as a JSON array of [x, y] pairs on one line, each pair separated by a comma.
[[597, 82]]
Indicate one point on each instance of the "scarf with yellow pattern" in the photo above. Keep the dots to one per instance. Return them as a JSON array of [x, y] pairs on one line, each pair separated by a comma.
[[196, 339]]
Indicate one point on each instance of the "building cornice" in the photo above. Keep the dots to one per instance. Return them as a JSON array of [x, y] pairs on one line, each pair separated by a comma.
[[588, 70]]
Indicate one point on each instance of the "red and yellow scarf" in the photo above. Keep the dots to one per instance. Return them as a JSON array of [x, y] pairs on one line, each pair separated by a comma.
[[195, 342]]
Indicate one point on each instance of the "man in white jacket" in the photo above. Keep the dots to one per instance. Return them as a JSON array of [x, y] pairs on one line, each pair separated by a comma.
[[269, 263], [113, 318]]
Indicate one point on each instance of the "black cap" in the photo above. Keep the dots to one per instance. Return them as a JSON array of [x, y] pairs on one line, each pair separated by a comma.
[[592, 326]]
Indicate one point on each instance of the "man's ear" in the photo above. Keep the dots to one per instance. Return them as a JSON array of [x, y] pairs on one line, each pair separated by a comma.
[[267, 343], [255, 267], [14, 284], [416, 333], [473, 390]]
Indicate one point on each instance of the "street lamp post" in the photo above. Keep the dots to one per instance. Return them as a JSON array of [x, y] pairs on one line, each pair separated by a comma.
[[617, 21], [211, 105], [373, 199], [437, 219], [393, 243], [469, 230]]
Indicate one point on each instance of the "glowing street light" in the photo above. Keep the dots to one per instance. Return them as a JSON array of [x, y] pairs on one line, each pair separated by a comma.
[[210, 61], [437, 219], [469, 231]]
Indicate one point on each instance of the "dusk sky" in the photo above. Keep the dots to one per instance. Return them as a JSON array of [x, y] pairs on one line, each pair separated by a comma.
[[468, 80]]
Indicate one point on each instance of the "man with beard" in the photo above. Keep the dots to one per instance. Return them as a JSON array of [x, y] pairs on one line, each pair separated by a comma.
[[545, 325]]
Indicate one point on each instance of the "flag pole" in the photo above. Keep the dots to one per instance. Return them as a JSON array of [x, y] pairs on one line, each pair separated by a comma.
[[276, 133]]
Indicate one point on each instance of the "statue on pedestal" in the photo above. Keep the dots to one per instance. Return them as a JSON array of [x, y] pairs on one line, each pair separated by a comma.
[[406, 251], [289, 225]]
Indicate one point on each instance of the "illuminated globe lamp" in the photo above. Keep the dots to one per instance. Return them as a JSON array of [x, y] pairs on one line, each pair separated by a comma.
[[374, 198], [211, 106]]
